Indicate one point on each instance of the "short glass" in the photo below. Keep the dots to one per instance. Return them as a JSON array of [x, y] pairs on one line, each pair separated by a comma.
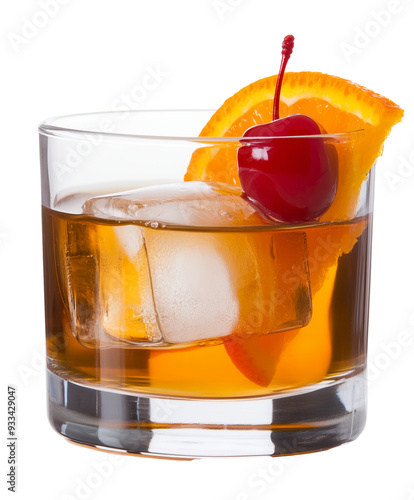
[[193, 328]]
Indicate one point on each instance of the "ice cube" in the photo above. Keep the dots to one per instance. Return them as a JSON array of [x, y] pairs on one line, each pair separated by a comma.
[[186, 257], [126, 303], [104, 282], [77, 272], [194, 203], [212, 284], [192, 284]]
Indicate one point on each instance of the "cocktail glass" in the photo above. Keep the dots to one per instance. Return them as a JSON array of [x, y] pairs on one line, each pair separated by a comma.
[[181, 321]]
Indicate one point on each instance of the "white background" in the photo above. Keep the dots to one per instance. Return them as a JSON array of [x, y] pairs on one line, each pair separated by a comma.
[[90, 53]]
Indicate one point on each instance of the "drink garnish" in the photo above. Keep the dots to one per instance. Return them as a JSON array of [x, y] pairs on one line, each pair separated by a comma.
[[337, 106], [292, 179]]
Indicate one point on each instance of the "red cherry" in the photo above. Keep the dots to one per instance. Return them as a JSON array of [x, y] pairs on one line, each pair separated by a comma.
[[292, 178]]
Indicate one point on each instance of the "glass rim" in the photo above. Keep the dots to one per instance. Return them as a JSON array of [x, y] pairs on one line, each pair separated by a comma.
[[48, 128]]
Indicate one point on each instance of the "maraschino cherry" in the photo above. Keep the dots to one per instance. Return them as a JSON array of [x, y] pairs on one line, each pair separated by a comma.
[[291, 179]]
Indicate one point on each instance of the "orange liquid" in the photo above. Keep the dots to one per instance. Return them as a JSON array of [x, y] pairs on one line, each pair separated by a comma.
[[104, 349]]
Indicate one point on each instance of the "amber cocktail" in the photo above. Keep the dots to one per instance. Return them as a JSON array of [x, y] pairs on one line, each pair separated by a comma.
[[181, 320]]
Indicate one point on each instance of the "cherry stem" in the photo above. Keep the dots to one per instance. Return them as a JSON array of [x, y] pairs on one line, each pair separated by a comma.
[[287, 48]]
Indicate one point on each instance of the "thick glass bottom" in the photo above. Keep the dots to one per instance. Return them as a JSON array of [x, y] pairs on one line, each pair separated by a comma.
[[292, 423]]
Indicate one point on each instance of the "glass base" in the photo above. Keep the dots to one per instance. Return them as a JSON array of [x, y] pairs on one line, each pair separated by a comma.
[[291, 423]]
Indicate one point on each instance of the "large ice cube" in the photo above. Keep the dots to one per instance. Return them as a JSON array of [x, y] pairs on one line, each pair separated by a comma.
[[126, 302], [202, 204], [104, 282], [77, 272], [193, 286], [186, 257]]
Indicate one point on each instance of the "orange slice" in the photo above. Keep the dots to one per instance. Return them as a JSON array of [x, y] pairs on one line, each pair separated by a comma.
[[340, 106], [337, 104]]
